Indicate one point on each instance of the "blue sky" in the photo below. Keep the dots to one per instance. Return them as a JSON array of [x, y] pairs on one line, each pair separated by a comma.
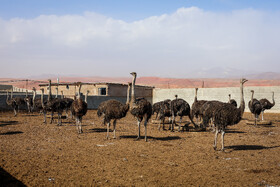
[[128, 10], [167, 38]]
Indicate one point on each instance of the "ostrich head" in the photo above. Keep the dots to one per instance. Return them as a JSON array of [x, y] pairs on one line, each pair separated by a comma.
[[133, 73], [243, 80]]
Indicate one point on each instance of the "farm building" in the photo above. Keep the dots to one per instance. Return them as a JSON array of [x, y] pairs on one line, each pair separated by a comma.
[[99, 92], [5, 88]]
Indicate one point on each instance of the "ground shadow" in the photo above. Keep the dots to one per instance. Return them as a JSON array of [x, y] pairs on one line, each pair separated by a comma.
[[11, 133], [4, 123], [7, 179], [235, 131], [249, 147], [168, 138], [99, 130]]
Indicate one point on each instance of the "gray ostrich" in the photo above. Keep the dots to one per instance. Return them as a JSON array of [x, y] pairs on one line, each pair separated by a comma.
[[227, 115], [255, 107], [197, 104], [232, 101], [180, 107], [266, 104], [113, 110], [140, 108], [79, 109], [11, 102]]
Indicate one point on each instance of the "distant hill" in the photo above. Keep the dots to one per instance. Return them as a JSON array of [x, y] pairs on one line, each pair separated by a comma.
[[262, 79]]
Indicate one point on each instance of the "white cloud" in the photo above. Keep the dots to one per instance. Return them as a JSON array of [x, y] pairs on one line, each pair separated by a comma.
[[166, 45]]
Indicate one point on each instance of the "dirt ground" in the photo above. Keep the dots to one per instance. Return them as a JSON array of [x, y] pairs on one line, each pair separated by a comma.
[[36, 154]]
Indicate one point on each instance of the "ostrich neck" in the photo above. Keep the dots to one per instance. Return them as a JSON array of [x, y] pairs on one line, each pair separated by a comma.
[[242, 102], [128, 94], [195, 98], [42, 98], [34, 95], [86, 96], [50, 91], [133, 89], [79, 92]]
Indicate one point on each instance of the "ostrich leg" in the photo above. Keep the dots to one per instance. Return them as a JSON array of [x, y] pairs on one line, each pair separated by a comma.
[[145, 124], [108, 130], [138, 124], [222, 137], [114, 126], [216, 136], [262, 115]]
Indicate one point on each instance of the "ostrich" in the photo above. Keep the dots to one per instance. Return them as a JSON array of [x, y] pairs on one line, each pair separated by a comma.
[[255, 107], [11, 103], [140, 108], [207, 110], [29, 102], [113, 110], [232, 101], [180, 107], [19, 102], [79, 109], [228, 114], [266, 105], [156, 108], [196, 106], [37, 102], [68, 102], [165, 111], [54, 105]]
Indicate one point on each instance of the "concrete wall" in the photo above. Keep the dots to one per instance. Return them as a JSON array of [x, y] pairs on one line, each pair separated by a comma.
[[220, 94], [116, 90], [93, 101]]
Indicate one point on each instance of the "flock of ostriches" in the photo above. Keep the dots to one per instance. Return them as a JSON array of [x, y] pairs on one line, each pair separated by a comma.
[[218, 113]]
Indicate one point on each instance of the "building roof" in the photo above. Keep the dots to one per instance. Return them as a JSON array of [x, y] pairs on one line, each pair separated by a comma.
[[88, 83]]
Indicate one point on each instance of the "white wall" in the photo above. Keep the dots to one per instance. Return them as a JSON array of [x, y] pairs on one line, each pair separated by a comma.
[[220, 94]]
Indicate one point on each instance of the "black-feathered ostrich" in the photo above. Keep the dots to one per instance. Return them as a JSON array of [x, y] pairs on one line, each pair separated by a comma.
[[208, 110], [38, 103], [53, 105], [232, 101], [68, 102], [255, 107], [266, 104], [180, 107], [156, 108], [113, 110], [12, 103], [165, 111], [140, 108], [197, 104], [227, 115], [79, 109]]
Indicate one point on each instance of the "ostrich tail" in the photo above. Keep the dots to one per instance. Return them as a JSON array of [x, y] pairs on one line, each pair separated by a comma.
[[99, 113]]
